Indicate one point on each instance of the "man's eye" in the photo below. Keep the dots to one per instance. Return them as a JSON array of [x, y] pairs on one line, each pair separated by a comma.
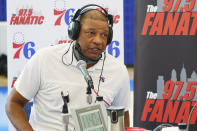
[[105, 35], [90, 33]]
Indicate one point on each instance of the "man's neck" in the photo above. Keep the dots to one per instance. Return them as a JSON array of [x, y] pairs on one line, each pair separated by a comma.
[[88, 65], [79, 56]]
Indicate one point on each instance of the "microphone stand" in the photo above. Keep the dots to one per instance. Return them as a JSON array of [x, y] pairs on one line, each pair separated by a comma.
[[89, 91], [65, 114]]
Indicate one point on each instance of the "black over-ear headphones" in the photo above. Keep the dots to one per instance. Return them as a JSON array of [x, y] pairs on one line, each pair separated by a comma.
[[74, 26]]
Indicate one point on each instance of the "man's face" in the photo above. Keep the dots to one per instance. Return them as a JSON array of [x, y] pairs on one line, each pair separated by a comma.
[[93, 37]]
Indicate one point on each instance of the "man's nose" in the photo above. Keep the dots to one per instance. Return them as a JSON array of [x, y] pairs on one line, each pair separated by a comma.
[[98, 39]]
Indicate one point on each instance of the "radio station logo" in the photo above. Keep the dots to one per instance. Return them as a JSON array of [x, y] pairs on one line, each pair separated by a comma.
[[13, 81], [66, 15], [171, 17], [173, 100], [26, 16], [23, 48], [62, 40]]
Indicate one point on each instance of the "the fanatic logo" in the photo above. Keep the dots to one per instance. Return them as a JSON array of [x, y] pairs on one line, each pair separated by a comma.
[[173, 100], [170, 23], [64, 41], [26, 17], [171, 17]]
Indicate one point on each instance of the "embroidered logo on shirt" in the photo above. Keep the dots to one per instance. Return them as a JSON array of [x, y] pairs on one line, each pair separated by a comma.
[[102, 79]]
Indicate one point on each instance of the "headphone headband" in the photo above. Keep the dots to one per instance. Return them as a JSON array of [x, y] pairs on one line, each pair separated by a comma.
[[74, 26], [80, 12]]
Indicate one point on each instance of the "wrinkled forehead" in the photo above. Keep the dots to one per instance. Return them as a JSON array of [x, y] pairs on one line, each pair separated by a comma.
[[93, 14], [95, 25]]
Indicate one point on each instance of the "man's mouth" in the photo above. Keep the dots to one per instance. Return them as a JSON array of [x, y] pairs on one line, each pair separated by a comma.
[[95, 50]]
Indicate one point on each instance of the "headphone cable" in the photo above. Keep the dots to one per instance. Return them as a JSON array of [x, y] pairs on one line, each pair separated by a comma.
[[101, 72], [65, 54], [103, 99]]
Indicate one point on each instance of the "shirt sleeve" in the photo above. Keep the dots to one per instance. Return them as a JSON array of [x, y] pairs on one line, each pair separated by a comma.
[[28, 82], [123, 97]]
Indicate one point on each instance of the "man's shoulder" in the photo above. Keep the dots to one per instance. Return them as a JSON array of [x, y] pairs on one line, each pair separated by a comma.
[[114, 62], [115, 68], [55, 49], [112, 59]]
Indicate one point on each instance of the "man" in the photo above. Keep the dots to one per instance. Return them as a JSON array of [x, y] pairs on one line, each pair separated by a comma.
[[52, 71]]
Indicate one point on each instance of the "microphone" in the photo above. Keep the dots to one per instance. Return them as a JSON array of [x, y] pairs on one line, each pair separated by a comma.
[[81, 65]]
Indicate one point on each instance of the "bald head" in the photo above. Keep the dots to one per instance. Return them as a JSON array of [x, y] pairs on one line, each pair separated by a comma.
[[93, 14]]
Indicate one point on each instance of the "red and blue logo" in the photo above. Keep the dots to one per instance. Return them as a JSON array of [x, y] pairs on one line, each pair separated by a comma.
[[102, 79], [61, 12], [26, 17], [27, 48]]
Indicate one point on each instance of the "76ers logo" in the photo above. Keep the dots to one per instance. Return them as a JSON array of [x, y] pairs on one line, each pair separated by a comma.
[[61, 11], [21, 45], [66, 13]]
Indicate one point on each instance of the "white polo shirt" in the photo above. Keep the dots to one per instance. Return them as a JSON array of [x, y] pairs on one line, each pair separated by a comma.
[[45, 76]]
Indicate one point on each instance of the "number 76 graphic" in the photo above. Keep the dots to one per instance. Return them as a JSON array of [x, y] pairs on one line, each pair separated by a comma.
[[28, 50]]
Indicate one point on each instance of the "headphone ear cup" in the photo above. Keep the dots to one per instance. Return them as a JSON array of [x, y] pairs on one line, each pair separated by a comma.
[[74, 29], [110, 36]]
